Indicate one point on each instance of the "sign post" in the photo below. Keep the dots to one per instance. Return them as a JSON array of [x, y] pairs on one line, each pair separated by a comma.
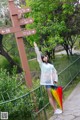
[[16, 29]]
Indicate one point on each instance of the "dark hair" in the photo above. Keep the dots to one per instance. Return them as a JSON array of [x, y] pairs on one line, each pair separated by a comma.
[[42, 57]]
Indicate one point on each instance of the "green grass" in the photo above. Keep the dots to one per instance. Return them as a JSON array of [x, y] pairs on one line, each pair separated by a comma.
[[60, 62], [4, 63], [34, 66]]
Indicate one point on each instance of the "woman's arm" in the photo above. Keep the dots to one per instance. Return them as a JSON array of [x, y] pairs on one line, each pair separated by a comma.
[[38, 53]]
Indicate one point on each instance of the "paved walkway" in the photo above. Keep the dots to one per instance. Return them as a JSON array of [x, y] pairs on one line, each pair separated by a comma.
[[64, 52], [71, 107]]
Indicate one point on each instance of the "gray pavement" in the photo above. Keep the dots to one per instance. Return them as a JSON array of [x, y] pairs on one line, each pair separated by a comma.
[[64, 52], [71, 107]]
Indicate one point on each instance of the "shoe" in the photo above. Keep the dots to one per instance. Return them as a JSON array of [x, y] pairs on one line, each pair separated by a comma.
[[57, 111]]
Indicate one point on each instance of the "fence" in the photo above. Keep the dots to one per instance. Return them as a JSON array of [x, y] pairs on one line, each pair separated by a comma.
[[34, 105]]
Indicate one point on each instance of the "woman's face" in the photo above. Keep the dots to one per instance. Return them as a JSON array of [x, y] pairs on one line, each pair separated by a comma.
[[45, 59]]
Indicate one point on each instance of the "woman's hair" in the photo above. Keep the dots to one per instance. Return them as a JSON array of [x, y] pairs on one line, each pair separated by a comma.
[[42, 57]]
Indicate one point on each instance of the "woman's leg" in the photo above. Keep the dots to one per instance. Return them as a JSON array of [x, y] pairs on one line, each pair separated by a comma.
[[51, 99]]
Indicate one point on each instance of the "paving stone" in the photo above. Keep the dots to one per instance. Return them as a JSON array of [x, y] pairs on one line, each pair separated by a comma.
[[65, 117], [78, 118]]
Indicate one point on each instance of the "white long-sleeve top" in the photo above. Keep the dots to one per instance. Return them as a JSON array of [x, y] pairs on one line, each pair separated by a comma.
[[48, 71]]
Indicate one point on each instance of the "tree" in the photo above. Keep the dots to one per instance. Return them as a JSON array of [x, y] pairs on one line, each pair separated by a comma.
[[72, 23], [56, 23], [7, 56]]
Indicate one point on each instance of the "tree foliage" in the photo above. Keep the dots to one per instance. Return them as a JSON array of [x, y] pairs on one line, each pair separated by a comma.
[[56, 22]]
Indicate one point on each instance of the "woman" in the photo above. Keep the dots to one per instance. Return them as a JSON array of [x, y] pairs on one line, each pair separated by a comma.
[[48, 78]]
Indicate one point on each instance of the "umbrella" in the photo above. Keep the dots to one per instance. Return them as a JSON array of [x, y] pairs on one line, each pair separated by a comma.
[[57, 93]]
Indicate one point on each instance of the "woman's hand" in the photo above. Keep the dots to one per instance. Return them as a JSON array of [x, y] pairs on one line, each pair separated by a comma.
[[35, 45], [55, 83]]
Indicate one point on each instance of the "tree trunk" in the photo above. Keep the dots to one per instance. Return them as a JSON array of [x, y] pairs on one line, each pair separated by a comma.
[[70, 51], [53, 53], [66, 48], [7, 56]]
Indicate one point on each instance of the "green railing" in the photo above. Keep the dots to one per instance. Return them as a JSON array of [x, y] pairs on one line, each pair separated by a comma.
[[34, 105], [69, 73]]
